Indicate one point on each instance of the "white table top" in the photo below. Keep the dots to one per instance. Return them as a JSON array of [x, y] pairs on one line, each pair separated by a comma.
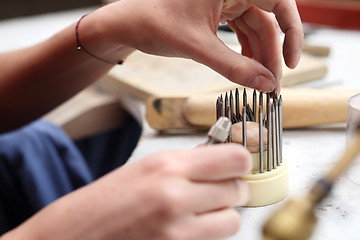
[[309, 151]]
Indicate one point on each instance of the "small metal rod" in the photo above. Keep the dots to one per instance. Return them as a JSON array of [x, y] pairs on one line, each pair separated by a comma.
[[229, 111], [268, 108], [244, 126], [240, 118], [268, 121], [250, 114], [277, 129], [231, 107], [281, 127], [237, 104], [254, 104], [244, 98], [226, 106], [234, 118], [261, 140], [273, 134], [265, 120], [217, 108], [221, 108], [226, 103]]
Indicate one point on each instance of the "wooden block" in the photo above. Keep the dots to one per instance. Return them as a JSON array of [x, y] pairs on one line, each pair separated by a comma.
[[301, 108], [87, 113]]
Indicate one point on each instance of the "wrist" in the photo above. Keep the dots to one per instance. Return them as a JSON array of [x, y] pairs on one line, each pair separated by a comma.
[[95, 38]]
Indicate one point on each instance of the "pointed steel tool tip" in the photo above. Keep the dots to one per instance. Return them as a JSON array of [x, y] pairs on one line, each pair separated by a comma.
[[244, 98], [275, 96], [237, 103], [221, 107], [244, 127], [254, 104], [231, 105], [230, 116]]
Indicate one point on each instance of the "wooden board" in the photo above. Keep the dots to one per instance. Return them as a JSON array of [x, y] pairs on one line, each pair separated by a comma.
[[88, 113], [145, 75]]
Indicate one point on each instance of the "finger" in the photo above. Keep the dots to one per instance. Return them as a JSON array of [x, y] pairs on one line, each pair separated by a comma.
[[218, 162], [232, 65], [209, 196], [208, 226], [268, 42], [252, 39], [243, 40], [289, 20]]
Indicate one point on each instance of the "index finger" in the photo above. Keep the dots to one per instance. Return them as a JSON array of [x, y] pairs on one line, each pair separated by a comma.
[[218, 162], [290, 23]]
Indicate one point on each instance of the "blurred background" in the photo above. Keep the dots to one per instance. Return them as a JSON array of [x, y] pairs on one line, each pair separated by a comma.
[[19, 8]]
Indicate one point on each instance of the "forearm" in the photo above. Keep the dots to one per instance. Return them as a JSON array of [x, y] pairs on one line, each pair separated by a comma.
[[36, 79]]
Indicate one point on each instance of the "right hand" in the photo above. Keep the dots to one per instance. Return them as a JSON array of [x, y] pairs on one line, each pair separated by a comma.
[[187, 29], [181, 194]]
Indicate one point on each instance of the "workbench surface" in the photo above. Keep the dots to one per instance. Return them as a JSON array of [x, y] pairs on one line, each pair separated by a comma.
[[309, 151]]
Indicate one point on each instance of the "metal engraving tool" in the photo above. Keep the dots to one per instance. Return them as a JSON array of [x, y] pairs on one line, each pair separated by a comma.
[[271, 120]]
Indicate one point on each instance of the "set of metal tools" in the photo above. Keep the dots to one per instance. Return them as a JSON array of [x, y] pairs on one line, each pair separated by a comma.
[[267, 114]]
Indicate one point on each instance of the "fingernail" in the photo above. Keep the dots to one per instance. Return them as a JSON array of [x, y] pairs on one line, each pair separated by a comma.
[[263, 83]]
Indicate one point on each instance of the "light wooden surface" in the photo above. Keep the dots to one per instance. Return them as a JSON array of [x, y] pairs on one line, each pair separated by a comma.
[[89, 112], [144, 75]]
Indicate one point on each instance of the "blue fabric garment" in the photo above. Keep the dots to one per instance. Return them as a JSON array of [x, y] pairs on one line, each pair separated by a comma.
[[109, 150], [39, 164]]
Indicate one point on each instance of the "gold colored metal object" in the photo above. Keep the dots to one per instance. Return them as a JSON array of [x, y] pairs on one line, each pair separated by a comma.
[[296, 220]]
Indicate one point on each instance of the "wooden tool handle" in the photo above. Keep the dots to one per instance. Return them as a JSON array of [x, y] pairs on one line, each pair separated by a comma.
[[301, 107]]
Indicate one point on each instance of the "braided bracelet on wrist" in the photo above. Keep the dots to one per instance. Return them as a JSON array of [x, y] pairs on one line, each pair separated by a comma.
[[81, 47]]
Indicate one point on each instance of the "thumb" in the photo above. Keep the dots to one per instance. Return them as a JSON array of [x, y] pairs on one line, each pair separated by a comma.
[[234, 66]]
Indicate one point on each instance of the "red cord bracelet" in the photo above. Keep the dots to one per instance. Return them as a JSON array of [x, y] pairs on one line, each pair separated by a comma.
[[81, 47]]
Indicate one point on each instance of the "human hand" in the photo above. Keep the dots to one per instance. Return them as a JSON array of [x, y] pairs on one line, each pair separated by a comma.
[[257, 31], [188, 29], [170, 195]]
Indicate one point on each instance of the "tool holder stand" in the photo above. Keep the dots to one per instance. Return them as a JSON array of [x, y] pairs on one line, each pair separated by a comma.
[[268, 187], [268, 180]]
